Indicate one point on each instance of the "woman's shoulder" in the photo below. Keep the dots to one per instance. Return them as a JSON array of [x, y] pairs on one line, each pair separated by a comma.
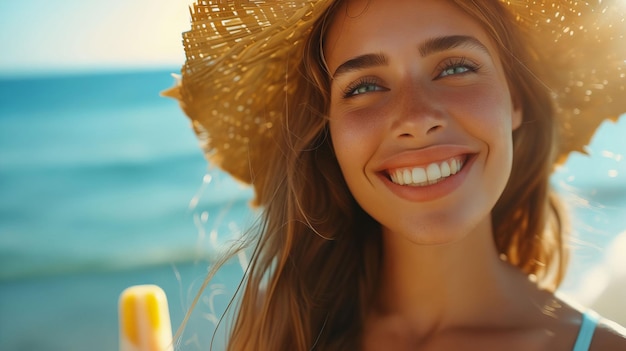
[[601, 333], [608, 336], [568, 323]]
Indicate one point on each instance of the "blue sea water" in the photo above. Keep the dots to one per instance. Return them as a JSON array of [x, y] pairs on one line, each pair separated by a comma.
[[99, 178], [96, 172], [103, 186]]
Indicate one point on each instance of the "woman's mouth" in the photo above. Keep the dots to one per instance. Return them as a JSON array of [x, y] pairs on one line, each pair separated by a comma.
[[428, 175]]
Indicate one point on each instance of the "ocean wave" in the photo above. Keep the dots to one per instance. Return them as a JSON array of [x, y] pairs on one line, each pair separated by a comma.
[[85, 91], [126, 236], [57, 266], [128, 162], [174, 177], [28, 262]]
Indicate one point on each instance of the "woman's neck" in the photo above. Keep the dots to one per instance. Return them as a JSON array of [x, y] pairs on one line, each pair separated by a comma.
[[461, 284]]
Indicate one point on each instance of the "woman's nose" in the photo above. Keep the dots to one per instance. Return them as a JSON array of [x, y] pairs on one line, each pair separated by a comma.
[[417, 113]]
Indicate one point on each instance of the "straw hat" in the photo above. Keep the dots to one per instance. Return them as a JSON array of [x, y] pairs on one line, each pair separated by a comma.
[[242, 58]]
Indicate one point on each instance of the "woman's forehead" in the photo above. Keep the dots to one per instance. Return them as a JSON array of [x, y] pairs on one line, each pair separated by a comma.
[[367, 26]]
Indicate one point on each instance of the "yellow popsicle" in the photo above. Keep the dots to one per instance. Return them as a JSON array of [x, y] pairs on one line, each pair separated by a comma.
[[144, 319]]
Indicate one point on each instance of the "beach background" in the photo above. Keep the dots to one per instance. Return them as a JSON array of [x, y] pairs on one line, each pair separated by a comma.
[[103, 186]]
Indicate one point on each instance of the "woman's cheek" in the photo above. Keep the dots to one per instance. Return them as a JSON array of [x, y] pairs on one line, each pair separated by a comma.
[[357, 127], [483, 105]]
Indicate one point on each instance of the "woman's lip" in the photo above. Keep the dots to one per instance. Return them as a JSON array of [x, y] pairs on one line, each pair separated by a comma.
[[423, 157], [430, 192]]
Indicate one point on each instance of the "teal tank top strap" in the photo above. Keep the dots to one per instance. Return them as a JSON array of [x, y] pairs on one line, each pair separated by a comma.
[[587, 327]]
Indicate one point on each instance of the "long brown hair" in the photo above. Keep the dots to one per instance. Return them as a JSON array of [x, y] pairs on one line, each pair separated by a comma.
[[315, 264]]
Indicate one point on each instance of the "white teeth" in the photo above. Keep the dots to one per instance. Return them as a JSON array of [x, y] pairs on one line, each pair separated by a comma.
[[419, 175], [445, 169], [432, 174], [453, 166], [408, 178]]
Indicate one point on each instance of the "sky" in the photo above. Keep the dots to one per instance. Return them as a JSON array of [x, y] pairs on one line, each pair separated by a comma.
[[48, 36]]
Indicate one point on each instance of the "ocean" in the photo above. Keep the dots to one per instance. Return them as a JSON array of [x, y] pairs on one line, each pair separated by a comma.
[[103, 186]]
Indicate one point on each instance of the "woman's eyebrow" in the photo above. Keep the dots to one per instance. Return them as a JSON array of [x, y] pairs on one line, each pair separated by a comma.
[[438, 44], [361, 62], [428, 47]]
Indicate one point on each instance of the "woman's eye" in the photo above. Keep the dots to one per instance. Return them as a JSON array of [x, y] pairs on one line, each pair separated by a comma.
[[365, 89], [457, 66], [454, 70], [362, 87]]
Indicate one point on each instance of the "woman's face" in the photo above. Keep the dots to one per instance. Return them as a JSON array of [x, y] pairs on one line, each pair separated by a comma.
[[421, 116]]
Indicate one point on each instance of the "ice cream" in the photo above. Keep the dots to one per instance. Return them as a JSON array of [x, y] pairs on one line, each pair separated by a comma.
[[144, 319]]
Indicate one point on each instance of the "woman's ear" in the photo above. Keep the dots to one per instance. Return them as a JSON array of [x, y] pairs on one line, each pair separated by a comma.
[[517, 117], [518, 112]]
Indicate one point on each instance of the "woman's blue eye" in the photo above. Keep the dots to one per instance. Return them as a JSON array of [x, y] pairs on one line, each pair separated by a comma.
[[362, 86], [457, 66], [454, 70], [365, 88]]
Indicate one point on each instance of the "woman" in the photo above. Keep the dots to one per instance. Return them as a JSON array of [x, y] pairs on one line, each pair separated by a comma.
[[400, 152]]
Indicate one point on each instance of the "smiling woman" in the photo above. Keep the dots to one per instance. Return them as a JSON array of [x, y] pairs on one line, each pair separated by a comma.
[[417, 111], [401, 155], [85, 35]]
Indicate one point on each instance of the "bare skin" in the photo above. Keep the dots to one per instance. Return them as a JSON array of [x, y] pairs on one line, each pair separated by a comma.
[[444, 286], [489, 305]]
